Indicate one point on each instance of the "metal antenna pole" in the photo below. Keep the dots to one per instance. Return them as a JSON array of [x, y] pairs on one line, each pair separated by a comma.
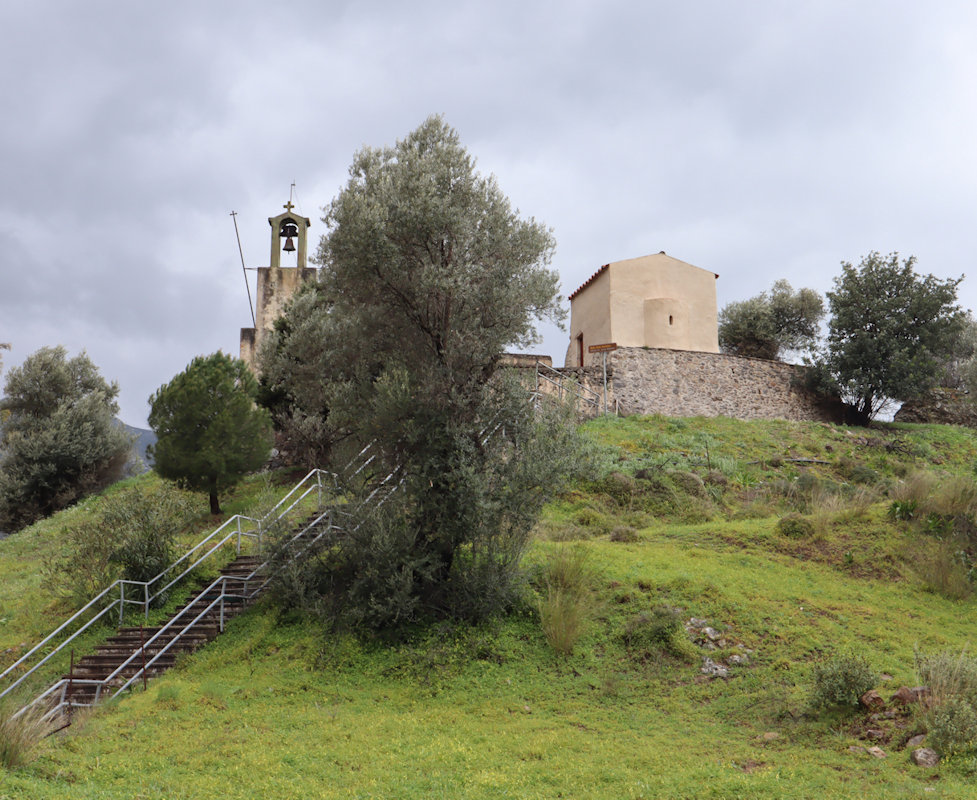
[[244, 269]]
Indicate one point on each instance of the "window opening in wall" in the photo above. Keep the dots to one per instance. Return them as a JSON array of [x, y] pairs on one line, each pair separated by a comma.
[[669, 319], [580, 349]]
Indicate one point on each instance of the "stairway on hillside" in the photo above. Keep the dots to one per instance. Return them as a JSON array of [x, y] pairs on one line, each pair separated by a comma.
[[88, 681]]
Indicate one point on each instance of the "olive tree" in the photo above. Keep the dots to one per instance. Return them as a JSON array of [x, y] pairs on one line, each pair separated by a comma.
[[427, 277], [209, 432], [772, 323], [891, 331], [59, 440]]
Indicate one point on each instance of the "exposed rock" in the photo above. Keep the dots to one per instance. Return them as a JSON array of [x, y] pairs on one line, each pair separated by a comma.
[[714, 670], [877, 752], [875, 734], [943, 406], [769, 736], [917, 740], [855, 749], [872, 700], [738, 660], [924, 757], [905, 696]]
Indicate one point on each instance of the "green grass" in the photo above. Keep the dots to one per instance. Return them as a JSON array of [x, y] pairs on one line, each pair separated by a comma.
[[276, 708], [29, 606]]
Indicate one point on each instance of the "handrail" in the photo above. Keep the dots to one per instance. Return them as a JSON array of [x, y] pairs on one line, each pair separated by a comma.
[[149, 596], [560, 381], [103, 683], [380, 493]]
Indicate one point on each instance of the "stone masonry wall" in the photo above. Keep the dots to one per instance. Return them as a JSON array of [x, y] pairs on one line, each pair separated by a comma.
[[681, 383]]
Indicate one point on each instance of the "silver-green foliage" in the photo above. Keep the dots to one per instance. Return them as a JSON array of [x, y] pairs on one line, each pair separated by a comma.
[[951, 715], [772, 323], [128, 533], [842, 680], [59, 440], [427, 277]]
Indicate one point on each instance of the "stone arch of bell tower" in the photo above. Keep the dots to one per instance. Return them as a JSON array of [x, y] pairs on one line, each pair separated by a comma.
[[277, 284]]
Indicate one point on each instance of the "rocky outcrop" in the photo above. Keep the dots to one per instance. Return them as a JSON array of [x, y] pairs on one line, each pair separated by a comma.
[[943, 406]]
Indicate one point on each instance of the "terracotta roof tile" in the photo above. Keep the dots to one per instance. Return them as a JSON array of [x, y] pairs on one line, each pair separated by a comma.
[[589, 281]]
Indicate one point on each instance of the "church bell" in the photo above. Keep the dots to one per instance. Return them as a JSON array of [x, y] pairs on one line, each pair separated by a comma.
[[289, 230]]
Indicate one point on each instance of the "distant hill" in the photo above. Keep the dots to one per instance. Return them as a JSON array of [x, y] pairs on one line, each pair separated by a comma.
[[144, 439]]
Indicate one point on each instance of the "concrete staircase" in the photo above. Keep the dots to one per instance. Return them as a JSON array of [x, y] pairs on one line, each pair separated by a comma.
[[144, 652]]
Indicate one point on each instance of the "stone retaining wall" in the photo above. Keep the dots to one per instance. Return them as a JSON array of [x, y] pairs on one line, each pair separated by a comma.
[[680, 383]]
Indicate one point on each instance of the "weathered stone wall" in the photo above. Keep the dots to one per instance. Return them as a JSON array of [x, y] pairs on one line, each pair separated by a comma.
[[682, 383]]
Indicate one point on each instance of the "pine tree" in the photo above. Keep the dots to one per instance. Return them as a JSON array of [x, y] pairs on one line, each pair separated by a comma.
[[209, 431]]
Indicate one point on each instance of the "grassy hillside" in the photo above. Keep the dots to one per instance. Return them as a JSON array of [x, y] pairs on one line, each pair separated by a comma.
[[685, 519]]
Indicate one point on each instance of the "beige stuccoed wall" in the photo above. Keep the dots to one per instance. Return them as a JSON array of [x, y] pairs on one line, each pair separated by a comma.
[[645, 292], [590, 315], [276, 286]]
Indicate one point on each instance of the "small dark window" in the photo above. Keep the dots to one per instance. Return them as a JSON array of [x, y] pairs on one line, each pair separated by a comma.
[[669, 319]]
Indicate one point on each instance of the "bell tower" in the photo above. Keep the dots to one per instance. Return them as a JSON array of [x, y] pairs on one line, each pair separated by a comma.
[[277, 284]]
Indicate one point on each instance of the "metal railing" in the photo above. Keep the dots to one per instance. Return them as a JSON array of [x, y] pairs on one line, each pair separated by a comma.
[[143, 593], [325, 485], [566, 385], [62, 688]]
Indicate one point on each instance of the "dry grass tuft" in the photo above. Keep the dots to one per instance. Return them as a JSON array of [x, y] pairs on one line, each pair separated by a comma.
[[20, 734], [567, 603]]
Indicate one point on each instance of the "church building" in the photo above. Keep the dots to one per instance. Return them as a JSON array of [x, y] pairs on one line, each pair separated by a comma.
[[652, 301]]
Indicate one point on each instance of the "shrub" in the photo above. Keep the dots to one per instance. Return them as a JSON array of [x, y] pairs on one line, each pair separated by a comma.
[[948, 675], [795, 526], [689, 482], [567, 603], [861, 473], [128, 534], [659, 630], [622, 488], [597, 522], [952, 727], [904, 510], [841, 681], [624, 533], [944, 569], [955, 495], [915, 489], [951, 717], [715, 477]]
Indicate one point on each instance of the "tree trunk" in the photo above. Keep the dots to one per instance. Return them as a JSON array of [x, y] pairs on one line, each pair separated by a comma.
[[215, 506]]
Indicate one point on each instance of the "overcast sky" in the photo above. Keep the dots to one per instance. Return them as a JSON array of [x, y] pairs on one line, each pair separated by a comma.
[[759, 140]]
